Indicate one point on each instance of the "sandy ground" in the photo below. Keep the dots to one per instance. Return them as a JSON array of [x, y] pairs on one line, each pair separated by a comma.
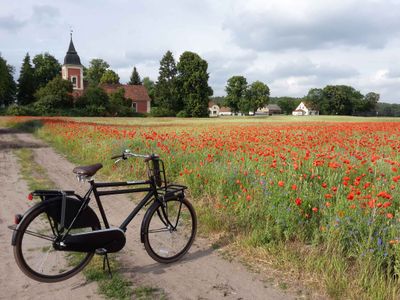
[[201, 274]]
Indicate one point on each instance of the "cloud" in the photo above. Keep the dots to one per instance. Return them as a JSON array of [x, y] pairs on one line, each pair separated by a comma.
[[10, 23], [45, 15], [354, 23]]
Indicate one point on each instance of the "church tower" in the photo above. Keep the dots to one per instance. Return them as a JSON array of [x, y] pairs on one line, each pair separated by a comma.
[[72, 68]]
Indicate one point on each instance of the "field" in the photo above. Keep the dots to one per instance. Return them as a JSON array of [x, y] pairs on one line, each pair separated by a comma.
[[323, 192]]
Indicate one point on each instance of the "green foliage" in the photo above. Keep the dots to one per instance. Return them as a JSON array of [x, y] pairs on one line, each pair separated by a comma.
[[119, 105], [46, 68], [235, 93], [26, 82], [257, 96], [7, 83], [150, 86], [341, 100], [388, 109], [109, 77], [94, 101], [135, 78], [19, 110], [192, 83], [161, 112], [165, 90], [97, 67], [55, 95], [182, 114], [287, 104]]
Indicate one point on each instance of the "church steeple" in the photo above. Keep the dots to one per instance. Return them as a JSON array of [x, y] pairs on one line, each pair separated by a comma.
[[72, 57], [72, 69]]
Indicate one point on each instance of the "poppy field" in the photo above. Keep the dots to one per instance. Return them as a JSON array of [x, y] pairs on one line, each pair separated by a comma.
[[331, 186]]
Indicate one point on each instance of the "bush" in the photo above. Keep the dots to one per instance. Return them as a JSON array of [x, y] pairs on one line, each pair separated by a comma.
[[161, 112], [182, 114], [19, 110]]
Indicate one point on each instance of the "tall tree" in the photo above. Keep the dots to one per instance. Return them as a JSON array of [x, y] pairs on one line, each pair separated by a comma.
[[7, 83], [97, 67], [149, 85], [192, 82], [110, 77], [257, 96], [235, 93], [46, 68], [341, 99], [165, 93], [135, 77], [26, 82]]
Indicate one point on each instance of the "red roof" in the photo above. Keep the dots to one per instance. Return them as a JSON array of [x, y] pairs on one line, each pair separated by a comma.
[[134, 92]]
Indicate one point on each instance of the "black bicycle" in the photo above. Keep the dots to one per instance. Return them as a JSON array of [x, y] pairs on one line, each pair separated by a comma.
[[57, 237]]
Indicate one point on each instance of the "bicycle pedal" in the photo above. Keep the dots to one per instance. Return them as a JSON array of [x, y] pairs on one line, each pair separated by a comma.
[[101, 251]]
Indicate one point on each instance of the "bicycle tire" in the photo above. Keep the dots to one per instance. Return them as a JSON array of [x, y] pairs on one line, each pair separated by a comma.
[[163, 242], [34, 245]]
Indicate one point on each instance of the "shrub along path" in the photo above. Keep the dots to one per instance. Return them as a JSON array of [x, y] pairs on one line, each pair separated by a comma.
[[201, 274]]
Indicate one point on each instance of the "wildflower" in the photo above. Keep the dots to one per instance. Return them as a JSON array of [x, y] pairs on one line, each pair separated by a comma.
[[315, 209], [298, 201], [281, 183], [294, 187], [389, 216]]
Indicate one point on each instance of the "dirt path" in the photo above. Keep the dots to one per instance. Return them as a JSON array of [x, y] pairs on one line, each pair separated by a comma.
[[202, 274], [13, 199]]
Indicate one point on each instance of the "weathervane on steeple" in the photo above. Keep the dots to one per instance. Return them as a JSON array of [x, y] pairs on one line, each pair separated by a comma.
[[70, 31]]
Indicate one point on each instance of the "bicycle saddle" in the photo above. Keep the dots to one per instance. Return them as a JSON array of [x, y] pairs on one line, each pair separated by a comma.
[[87, 170]]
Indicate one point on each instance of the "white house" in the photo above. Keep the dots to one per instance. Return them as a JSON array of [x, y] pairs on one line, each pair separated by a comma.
[[215, 110], [303, 110]]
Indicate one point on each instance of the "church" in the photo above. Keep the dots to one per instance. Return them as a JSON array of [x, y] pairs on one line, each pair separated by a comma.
[[72, 70]]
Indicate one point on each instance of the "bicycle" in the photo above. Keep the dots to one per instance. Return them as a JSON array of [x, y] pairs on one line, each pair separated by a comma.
[[57, 237]]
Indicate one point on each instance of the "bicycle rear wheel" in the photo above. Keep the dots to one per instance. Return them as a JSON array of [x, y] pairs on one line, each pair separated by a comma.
[[169, 230], [34, 249]]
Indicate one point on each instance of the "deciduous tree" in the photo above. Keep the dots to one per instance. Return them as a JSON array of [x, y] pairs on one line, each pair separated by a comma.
[[46, 67], [97, 67], [109, 77], [192, 82], [235, 93], [257, 96]]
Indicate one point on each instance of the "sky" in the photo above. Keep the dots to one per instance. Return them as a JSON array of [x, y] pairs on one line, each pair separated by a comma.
[[291, 45]]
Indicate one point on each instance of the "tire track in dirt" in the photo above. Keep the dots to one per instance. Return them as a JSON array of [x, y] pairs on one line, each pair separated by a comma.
[[13, 199]]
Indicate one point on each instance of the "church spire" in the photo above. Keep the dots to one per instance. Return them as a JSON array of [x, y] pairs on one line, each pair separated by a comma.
[[72, 57]]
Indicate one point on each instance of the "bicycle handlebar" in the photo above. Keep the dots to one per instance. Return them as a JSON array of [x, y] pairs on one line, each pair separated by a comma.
[[127, 153]]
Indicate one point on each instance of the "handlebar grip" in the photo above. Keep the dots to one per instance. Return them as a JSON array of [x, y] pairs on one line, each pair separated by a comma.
[[116, 156]]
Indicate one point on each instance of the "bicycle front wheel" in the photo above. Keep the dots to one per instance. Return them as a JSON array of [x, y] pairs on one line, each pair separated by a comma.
[[35, 251], [169, 229]]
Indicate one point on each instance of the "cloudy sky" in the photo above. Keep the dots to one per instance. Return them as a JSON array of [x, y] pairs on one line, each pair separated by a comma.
[[291, 45]]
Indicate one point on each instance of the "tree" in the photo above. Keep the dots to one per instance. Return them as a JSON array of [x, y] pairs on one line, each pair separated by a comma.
[[46, 68], [370, 102], [97, 67], [135, 78], [192, 82], [341, 99], [165, 89], [57, 94], [165, 92], [235, 93], [257, 96], [119, 105], [7, 83], [94, 101], [110, 77], [287, 104], [150, 86], [26, 82]]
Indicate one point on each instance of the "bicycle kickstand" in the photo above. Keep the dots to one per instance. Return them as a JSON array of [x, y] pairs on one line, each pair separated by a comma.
[[106, 261]]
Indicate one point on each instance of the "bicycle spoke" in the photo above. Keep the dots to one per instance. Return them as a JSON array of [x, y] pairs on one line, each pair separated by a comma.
[[158, 230], [42, 236]]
